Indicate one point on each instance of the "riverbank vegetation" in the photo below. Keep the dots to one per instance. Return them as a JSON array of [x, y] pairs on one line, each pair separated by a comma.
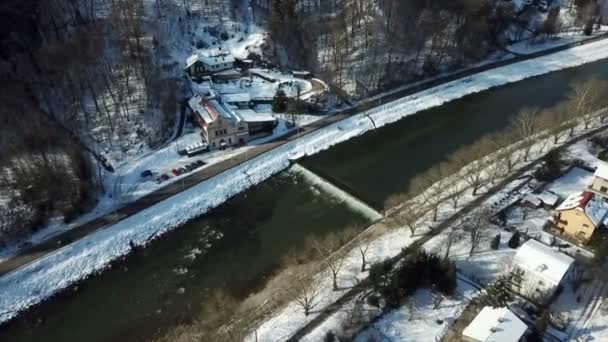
[[491, 157]]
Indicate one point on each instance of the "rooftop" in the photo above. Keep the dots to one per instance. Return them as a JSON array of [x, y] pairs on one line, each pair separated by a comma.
[[249, 115], [496, 325], [543, 260], [209, 60], [588, 203], [240, 97], [602, 171]]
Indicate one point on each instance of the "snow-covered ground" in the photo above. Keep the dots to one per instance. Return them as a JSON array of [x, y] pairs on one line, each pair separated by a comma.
[[585, 309], [419, 321], [44, 277], [575, 180]]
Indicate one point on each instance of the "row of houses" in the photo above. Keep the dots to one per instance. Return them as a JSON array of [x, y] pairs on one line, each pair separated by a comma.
[[537, 271], [224, 124]]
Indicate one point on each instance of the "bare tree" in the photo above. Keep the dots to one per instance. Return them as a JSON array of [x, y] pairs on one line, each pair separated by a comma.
[[363, 243], [305, 290], [471, 162], [586, 97], [506, 153], [525, 125], [474, 225], [329, 248], [448, 244], [410, 216], [454, 191]]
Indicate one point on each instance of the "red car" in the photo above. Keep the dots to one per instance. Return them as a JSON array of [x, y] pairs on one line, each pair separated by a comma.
[[175, 172]]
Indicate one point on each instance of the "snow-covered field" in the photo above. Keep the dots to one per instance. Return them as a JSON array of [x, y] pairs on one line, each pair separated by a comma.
[[44, 277]]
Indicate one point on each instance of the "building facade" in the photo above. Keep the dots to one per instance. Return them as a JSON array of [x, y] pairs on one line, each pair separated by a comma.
[[223, 125], [600, 181], [537, 271], [579, 216], [198, 66]]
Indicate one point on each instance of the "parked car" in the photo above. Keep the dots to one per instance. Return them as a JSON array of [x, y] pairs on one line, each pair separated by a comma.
[[146, 174], [175, 172], [194, 166], [188, 167], [182, 170], [162, 178], [200, 163]]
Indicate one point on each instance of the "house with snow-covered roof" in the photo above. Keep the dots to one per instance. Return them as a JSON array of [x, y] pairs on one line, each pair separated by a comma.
[[600, 180], [537, 270], [579, 215], [223, 125], [198, 65], [495, 325], [220, 126]]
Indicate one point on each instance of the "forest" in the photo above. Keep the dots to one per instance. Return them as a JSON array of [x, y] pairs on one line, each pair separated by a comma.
[[365, 46]]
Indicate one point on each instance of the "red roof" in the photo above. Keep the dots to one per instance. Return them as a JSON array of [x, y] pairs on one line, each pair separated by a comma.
[[209, 109], [586, 197]]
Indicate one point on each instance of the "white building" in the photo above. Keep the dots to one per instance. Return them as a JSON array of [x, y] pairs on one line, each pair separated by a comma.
[[600, 180], [538, 270], [495, 325], [198, 65]]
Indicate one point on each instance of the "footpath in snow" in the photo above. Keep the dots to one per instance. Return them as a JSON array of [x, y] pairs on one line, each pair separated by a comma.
[[42, 278]]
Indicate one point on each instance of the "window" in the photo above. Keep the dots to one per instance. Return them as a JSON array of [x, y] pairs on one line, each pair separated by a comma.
[[230, 140], [603, 189]]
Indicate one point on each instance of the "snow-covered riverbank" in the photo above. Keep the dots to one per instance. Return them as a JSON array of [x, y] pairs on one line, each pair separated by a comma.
[[38, 280]]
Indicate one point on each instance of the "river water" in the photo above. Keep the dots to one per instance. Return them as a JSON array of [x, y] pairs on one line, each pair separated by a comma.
[[241, 242], [382, 162]]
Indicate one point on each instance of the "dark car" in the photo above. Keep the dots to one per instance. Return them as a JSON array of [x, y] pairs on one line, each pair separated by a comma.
[[188, 167], [146, 174], [164, 177], [194, 165], [200, 163], [182, 170]]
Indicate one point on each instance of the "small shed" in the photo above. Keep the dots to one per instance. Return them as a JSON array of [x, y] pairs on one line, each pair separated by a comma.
[[531, 201], [495, 325], [549, 200]]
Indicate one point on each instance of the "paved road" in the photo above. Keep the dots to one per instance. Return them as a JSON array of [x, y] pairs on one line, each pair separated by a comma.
[[365, 284], [76, 233]]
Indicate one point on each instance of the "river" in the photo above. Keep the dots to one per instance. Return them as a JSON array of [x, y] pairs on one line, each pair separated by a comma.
[[240, 244], [242, 241], [382, 162]]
